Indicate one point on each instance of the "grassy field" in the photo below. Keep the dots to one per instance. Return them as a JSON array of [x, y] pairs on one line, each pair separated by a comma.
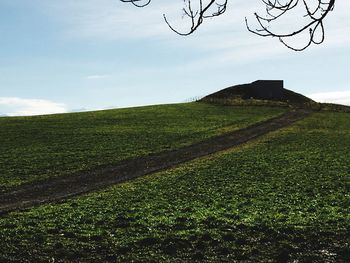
[[35, 148], [282, 198]]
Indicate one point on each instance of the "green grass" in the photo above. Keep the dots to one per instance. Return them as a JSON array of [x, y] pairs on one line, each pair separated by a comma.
[[283, 197], [35, 148]]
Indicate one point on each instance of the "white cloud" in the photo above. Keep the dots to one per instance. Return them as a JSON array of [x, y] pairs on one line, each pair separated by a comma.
[[12, 106], [109, 19], [339, 97]]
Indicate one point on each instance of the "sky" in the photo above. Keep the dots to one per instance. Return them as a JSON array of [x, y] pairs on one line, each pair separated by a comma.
[[66, 56]]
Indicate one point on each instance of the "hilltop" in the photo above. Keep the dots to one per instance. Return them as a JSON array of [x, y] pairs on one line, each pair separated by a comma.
[[268, 93], [259, 92]]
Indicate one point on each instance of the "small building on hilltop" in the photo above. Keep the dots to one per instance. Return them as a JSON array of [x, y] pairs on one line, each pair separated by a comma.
[[264, 90]]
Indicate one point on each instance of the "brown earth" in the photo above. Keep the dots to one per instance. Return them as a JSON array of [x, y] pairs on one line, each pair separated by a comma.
[[61, 188]]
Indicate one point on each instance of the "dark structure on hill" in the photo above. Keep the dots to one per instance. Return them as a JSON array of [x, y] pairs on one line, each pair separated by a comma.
[[260, 90]]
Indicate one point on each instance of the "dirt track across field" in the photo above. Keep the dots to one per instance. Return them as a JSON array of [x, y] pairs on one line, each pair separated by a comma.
[[61, 188]]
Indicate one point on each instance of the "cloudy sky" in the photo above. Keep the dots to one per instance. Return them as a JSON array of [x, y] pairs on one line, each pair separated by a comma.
[[61, 56]]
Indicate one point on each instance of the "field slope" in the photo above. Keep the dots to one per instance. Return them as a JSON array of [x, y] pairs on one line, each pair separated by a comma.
[[61, 188], [37, 148], [282, 198]]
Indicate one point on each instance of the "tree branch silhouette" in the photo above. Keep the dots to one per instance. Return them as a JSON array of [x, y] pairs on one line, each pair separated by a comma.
[[138, 3], [199, 10]]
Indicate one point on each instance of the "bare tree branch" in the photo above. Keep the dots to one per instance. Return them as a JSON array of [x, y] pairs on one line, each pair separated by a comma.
[[138, 3], [275, 9], [211, 9], [315, 24]]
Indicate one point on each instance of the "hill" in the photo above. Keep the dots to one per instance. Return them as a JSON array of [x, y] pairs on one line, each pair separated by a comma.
[[270, 92], [282, 198]]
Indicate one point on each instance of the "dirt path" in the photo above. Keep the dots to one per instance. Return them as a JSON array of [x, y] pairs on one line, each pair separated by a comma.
[[59, 189]]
